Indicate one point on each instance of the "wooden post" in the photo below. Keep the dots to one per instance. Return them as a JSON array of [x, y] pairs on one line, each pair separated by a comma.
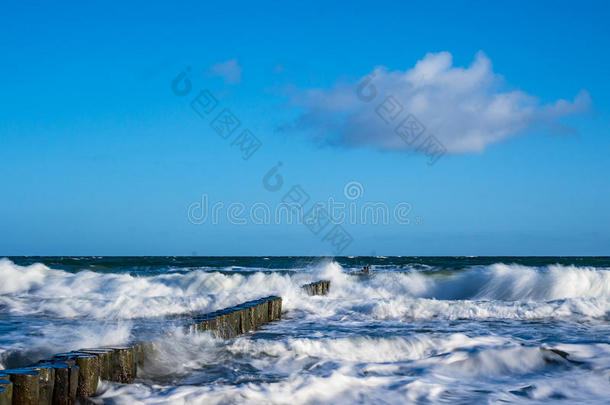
[[259, 314], [275, 308], [229, 322], [88, 372], [6, 390], [26, 387], [46, 382], [124, 367], [66, 382], [317, 288], [244, 322], [234, 322], [66, 379], [249, 317]]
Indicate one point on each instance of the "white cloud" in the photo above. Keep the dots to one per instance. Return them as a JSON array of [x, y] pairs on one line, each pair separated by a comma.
[[466, 109], [230, 71]]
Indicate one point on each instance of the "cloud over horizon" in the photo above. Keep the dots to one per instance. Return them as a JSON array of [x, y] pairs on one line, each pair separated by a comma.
[[466, 109], [229, 71]]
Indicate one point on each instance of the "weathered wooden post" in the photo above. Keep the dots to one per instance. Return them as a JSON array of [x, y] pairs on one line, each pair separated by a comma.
[[66, 382], [241, 321], [259, 313], [207, 322], [252, 315], [88, 372], [105, 359], [234, 322], [46, 382], [265, 306], [88, 376], [6, 390], [124, 366], [244, 322], [275, 308], [228, 321], [317, 288], [6, 397], [248, 316], [26, 386]]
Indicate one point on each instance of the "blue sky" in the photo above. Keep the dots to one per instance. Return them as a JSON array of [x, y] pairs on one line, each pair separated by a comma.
[[98, 156]]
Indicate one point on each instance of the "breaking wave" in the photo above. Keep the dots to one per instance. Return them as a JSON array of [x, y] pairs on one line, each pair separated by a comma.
[[365, 370], [498, 290], [400, 334]]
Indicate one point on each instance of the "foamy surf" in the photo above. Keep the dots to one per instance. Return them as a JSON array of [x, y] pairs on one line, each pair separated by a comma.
[[366, 370], [411, 331]]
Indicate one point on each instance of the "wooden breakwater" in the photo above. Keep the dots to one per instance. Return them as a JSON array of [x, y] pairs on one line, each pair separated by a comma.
[[66, 378], [243, 318], [317, 287]]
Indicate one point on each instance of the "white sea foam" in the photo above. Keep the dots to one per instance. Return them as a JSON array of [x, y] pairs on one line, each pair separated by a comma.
[[494, 282], [307, 361], [37, 289], [496, 291], [18, 348], [365, 370]]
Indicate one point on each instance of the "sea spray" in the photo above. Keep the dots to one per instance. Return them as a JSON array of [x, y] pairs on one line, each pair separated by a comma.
[[436, 330]]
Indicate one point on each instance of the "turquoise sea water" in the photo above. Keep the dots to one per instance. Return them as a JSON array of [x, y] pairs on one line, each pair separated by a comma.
[[415, 330]]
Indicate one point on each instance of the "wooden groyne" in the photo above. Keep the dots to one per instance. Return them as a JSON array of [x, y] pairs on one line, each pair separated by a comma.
[[317, 287], [66, 378], [243, 318]]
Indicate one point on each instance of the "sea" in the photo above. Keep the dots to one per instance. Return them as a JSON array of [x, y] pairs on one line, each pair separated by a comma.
[[424, 330]]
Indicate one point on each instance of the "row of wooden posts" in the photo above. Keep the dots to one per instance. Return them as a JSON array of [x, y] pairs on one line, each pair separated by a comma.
[[317, 288], [68, 377], [243, 318]]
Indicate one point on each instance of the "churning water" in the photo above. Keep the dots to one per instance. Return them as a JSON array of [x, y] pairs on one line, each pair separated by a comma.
[[416, 330]]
